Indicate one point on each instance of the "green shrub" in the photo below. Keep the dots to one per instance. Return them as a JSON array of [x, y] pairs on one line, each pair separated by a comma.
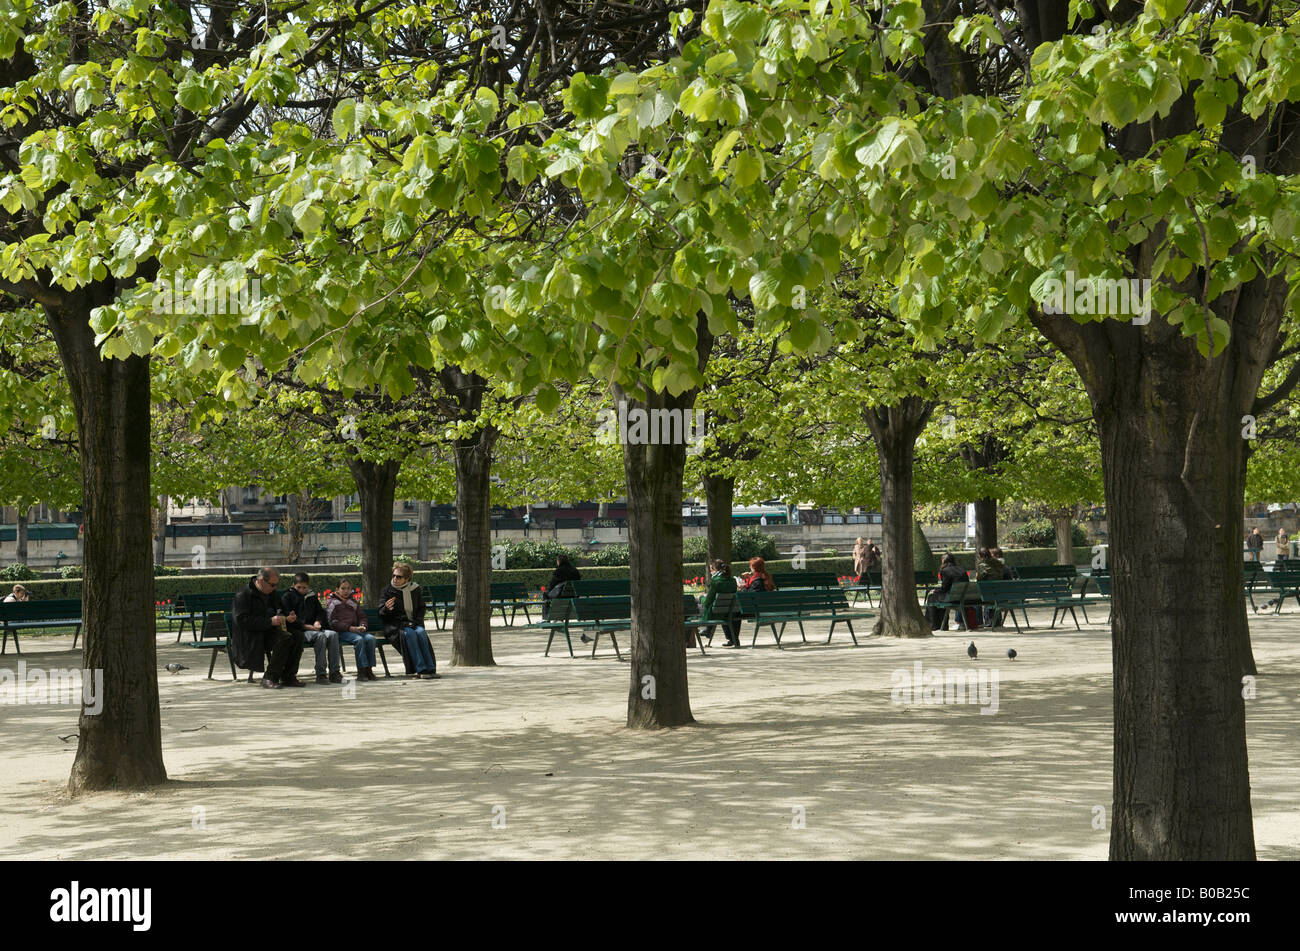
[[159, 570], [17, 572], [922, 555], [449, 560], [746, 543], [611, 555], [70, 571], [406, 560], [1041, 533], [830, 551]]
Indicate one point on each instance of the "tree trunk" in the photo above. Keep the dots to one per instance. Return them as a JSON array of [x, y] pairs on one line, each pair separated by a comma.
[[895, 429], [160, 532], [986, 523], [424, 526], [658, 693], [1169, 422], [20, 534], [293, 525], [719, 493], [376, 487], [121, 746], [1062, 520], [471, 632]]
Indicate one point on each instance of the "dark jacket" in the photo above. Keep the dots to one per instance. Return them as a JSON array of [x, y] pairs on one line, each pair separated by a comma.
[[722, 583], [252, 612], [306, 607], [753, 582], [559, 576], [396, 618], [344, 614], [990, 569], [1255, 541], [947, 575]]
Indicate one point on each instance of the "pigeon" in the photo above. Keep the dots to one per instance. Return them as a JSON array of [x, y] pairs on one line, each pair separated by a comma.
[[971, 652], [1011, 652], [175, 668]]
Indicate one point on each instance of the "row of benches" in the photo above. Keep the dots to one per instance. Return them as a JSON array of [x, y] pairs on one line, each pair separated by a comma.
[[608, 614]]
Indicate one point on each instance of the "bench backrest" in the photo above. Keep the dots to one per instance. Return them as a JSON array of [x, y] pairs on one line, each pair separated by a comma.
[[205, 603], [619, 608], [962, 591], [799, 601], [724, 605], [603, 587], [442, 593], [507, 590], [1033, 572], [1031, 590], [805, 579], [54, 609]]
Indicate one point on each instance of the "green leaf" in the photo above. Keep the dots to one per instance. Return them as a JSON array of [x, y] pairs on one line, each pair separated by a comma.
[[586, 96], [345, 114], [722, 151], [308, 217], [746, 168]]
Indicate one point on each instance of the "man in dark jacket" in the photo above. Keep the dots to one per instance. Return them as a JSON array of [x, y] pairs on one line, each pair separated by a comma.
[[564, 572], [314, 627], [260, 626]]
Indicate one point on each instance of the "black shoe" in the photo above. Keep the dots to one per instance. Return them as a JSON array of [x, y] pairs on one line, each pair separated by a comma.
[[334, 678], [292, 682], [585, 638], [270, 684], [322, 679]]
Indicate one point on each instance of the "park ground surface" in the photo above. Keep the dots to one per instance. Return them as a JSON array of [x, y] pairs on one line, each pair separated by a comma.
[[531, 759]]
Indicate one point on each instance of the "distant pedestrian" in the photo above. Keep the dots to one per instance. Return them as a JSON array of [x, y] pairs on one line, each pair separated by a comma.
[[1254, 544], [1283, 547]]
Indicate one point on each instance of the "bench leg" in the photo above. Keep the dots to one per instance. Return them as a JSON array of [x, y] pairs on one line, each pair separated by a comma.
[[212, 665], [76, 633], [595, 642], [527, 618], [802, 636], [614, 640], [382, 657], [699, 641]]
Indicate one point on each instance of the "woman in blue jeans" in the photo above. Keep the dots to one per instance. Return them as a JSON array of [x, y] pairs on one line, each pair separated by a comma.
[[401, 607], [344, 615]]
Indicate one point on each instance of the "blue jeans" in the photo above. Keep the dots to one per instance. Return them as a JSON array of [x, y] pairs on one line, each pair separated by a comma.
[[418, 650], [364, 647]]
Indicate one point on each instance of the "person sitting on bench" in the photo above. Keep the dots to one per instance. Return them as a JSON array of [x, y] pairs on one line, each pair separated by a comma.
[[19, 594], [564, 573], [758, 578], [261, 627], [720, 583], [948, 573], [988, 568], [313, 625], [345, 616], [402, 608]]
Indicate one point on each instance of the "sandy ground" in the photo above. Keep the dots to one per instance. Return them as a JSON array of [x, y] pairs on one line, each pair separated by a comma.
[[800, 753]]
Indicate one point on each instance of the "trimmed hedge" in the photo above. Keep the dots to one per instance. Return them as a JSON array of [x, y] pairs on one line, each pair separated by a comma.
[[172, 585]]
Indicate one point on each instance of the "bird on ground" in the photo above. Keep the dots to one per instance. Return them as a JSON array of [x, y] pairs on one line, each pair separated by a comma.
[[175, 668], [1011, 652], [971, 652]]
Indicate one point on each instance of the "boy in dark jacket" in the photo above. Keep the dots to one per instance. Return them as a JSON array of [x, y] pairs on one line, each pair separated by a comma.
[[314, 627], [401, 607], [261, 627]]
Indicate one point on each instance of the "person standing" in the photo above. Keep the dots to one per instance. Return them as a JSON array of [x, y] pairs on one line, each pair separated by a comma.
[[261, 627], [1283, 548], [866, 557], [345, 616], [1254, 544], [401, 607], [313, 625]]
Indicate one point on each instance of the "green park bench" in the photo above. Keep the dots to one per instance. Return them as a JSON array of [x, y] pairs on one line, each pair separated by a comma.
[[18, 616], [440, 597], [1012, 596], [603, 588], [798, 580], [1282, 582], [195, 609], [864, 584], [608, 614], [770, 608], [512, 595]]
